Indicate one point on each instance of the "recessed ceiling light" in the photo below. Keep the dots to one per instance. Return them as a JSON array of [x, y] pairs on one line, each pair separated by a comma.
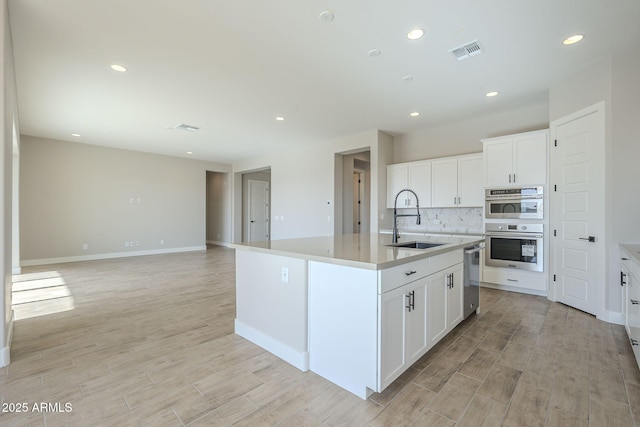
[[280, 118], [375, 52], [414, 114], [573, 39], [77, 135], [415, 34], [189, 152], [118, 67], [407, 79], [491, 94], [327, 16]]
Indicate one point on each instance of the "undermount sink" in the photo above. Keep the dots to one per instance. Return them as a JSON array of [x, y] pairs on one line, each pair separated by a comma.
[[416, 245]]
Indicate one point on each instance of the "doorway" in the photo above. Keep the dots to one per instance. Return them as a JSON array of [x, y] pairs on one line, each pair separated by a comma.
[[353, 192], [217, 209], [256, 206]]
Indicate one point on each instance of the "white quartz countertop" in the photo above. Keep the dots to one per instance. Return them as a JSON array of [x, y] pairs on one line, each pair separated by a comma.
[[633, 250], [367, 251]]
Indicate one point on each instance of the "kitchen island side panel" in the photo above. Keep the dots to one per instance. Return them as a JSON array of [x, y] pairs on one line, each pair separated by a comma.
[[343, 326], [271, 304]]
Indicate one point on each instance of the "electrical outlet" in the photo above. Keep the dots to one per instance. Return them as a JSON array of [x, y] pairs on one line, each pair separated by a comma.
[[126, 244], [131, 244], [285, 275], [162, 242], [85, 246]]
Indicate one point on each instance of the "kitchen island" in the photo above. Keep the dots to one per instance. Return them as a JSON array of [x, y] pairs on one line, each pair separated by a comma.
[[350, 308]]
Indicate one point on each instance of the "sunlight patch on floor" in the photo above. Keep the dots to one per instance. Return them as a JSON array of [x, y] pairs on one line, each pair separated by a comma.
[[40, 294]]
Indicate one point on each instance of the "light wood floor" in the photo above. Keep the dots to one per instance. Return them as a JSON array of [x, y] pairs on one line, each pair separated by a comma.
[[149, 341]]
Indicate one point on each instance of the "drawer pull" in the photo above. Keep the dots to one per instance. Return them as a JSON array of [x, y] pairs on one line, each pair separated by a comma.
[[409, 273], [512, 280], [635, 342], [634, 301]]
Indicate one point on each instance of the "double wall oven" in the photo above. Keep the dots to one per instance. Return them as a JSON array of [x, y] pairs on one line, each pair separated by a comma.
[[513, 228]]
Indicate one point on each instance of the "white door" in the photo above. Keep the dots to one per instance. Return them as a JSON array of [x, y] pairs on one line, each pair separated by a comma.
[[258, 210], [577, 209]]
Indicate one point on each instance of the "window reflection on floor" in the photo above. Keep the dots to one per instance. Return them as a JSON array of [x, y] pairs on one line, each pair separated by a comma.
[[39, 294]]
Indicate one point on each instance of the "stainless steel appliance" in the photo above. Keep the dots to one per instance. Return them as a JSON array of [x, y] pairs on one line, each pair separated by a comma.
[[515, 246], [471, 278], [514, 203]]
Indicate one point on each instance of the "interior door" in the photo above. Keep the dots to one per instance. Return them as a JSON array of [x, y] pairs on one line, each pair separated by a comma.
[[258, 210], [577, 209]]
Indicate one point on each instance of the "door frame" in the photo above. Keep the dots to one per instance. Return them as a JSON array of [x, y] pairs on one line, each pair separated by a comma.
[[601, 282]]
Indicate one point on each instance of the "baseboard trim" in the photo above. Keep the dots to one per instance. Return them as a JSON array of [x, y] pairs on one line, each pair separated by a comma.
[[612, 317], [45, 261], [298, 359], [5, 352], [215, 242]]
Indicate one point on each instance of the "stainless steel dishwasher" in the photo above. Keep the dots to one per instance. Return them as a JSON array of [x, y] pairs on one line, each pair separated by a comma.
[[472, 279]]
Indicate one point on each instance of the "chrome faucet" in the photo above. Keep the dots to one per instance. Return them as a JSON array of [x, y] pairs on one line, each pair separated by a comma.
[[395, 213]]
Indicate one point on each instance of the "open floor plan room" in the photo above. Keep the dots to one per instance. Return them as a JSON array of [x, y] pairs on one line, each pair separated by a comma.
[[149, 341]]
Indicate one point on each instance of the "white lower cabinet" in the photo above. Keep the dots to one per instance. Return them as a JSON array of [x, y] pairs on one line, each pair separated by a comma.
[[403, 329], [414, 316], [630, 280]]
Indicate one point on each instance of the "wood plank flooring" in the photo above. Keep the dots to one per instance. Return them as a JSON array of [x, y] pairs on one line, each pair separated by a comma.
[[149, 341]]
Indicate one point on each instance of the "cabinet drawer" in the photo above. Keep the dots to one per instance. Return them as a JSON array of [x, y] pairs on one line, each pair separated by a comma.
[[516, 279], [446, 260], [391, 278]]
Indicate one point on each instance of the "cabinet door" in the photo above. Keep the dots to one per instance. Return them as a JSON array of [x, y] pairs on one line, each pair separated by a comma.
[[444, 185], [454, 297], [392, 347], [498, 162], [397, 179], [530, 163], [417, 340], [625, 278], [437, 307], [420, 182], [470, 181]]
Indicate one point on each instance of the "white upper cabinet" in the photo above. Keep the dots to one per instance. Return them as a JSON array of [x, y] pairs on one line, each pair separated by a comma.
[[516, 160], [415, 176], [456, 181], [446, 182], [470, 186]]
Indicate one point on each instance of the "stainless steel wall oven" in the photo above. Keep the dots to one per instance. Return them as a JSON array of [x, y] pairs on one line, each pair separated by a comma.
[[514, 203], [515, 246]]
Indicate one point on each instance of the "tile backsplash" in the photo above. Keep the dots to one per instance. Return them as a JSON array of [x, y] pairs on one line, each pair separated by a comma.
[[443, 220]]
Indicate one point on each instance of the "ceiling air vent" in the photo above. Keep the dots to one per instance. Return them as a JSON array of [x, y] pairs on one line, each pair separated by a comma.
[[467, 51], [189, 128]]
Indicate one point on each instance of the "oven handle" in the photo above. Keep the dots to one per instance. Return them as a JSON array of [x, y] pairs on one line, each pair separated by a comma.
[[514, 235]]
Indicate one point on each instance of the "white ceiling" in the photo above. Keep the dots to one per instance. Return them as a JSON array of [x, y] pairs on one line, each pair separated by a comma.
[[230, 67]]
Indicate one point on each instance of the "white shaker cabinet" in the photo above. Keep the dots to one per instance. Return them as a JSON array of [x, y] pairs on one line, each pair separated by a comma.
[[415, 176], [519, 159], [457, 181], [444, 294], [630, 280], [403, 329]]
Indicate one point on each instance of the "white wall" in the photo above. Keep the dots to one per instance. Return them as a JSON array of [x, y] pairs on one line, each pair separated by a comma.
[[8, 117], [302, 185], [74, 194], [463, 137]]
